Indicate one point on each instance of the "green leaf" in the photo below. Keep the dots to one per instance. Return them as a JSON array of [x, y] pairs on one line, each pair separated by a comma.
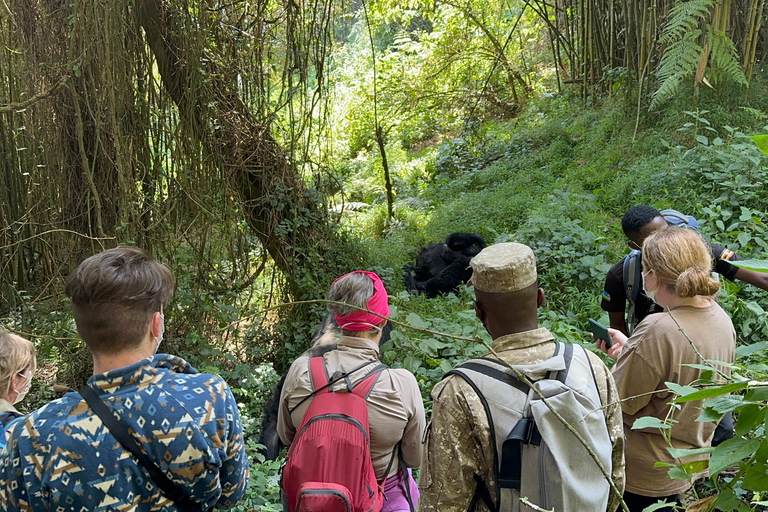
[[724, 404], [749, 417], [744, 238], [755, 265], [679, 453], [412, 364], [745, 350], [649, 422], [756, 478], [762, 142], [415, 320], [680, 390], [758, 394], [731, 452], [712, 392], [709, 415], [445, 366], [727, 500]]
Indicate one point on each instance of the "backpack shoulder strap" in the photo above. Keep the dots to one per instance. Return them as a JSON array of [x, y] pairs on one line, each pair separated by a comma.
[[632, 275], [488, 367], [481, 488], [567, 356], [318, 376], [364, 387]]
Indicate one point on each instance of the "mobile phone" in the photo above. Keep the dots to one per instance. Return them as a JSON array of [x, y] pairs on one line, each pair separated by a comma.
[[600, 332]]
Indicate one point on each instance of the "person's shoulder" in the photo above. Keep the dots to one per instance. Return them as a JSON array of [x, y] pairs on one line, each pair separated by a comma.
[[59, 409], [618, 268], [598, 366]]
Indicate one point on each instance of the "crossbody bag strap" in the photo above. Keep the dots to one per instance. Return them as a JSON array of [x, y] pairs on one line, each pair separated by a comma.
[[171, 490]]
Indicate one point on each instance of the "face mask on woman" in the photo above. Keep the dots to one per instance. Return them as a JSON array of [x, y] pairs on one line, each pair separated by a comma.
[[21, 394], [650, 294]]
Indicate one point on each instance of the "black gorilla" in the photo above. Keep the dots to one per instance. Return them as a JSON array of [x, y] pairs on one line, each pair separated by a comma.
[[441, 268], [324, 340]]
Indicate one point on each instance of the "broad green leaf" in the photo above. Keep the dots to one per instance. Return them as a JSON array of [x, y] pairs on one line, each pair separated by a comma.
[[649, 422], [727, 500], [749, 417], [745, 350], [680, 390], [709, 415], [756, 478], [412, 364], [731, 452], [685, 471], [445, 366], [712, 392], [725, 404], [679, 453], [758, 394], [762, 142], [756, 265], [415, 320], [744, 238]]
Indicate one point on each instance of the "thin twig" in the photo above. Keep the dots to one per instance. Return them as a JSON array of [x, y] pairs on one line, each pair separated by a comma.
[[690, 341], [524, 501], [13, 107], [56, 231]]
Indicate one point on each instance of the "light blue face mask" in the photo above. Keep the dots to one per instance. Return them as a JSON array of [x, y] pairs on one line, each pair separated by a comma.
[[648, 293]]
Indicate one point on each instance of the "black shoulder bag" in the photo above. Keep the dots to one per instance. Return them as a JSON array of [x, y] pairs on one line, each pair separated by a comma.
[[172, 491]]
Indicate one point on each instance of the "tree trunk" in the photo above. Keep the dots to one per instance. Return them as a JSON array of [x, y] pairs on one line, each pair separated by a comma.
[[286, 217]]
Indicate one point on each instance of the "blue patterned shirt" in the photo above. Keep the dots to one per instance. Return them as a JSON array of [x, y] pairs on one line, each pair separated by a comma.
[[62, 458]]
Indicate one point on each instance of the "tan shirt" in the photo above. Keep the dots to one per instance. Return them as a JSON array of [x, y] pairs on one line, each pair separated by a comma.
[[395, 408], [656, 353], [458, 441]]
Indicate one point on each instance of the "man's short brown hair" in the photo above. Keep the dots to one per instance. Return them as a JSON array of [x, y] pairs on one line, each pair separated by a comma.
[[114, 295]]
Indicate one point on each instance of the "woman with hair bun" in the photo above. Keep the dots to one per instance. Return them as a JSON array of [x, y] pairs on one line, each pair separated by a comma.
[[693, 329]]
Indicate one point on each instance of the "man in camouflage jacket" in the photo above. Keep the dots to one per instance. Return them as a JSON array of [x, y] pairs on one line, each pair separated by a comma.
[[459, 448]]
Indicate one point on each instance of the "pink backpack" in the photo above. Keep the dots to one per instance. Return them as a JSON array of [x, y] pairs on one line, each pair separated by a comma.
[[329, 466]]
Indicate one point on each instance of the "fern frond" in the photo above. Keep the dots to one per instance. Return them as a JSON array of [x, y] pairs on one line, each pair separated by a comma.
[[678, 62], [681, 57], [724, 57], [684, 18]]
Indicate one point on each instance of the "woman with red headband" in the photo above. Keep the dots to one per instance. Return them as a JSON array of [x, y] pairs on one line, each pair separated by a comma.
[[395, 409]]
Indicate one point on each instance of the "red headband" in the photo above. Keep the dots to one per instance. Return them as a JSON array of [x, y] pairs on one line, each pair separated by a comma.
[[359, 321]]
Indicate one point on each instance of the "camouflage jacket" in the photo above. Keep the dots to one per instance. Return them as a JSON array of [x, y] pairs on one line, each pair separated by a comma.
[[458, 439]]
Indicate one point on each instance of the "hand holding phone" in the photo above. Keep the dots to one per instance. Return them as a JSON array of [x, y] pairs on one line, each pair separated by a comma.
[[600, 332]]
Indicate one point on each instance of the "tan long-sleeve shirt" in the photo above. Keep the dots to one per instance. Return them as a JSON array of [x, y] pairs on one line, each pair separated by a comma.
[[395, 408], [459, 444], [659, 352]]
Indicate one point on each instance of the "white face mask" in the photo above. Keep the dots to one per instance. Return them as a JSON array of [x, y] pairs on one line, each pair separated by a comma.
[[650, 294], [159, 339], [21, 394]]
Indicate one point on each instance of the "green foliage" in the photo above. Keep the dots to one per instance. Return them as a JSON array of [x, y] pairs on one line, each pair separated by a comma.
[[686, 48]]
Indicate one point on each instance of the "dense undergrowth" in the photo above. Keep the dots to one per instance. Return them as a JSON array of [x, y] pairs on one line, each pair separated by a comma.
[[557, 178]]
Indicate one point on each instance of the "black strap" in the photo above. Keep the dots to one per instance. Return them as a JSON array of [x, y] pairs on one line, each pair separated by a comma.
[[482, 489], [171, 490]]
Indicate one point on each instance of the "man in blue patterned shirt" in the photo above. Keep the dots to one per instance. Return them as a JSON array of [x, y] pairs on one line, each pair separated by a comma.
[[62, 457]]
